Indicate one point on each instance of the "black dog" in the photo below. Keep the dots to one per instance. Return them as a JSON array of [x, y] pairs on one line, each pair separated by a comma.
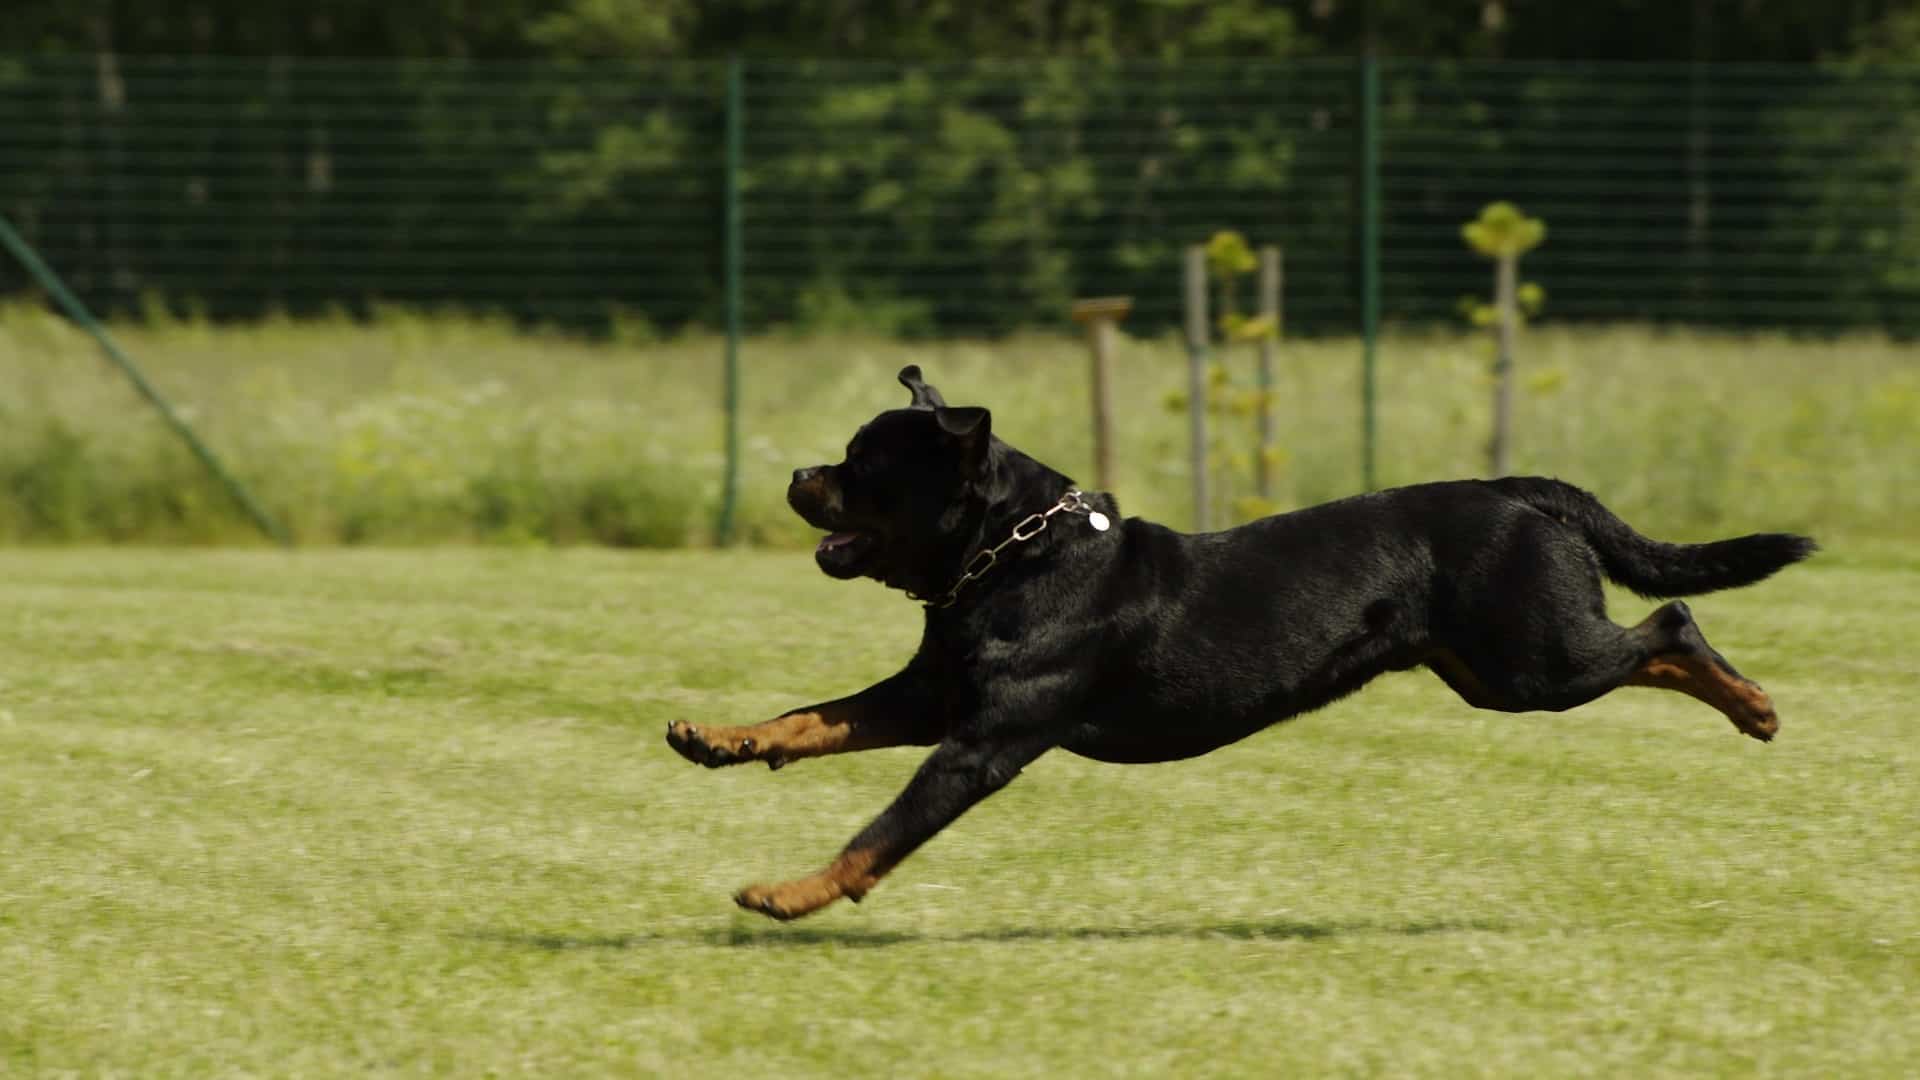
[[1050, 622]]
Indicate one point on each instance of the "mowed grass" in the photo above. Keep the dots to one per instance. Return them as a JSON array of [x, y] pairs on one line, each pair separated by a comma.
[[375, 812]]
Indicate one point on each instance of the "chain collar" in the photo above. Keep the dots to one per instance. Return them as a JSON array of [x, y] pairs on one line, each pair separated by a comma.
[[1073, 502]]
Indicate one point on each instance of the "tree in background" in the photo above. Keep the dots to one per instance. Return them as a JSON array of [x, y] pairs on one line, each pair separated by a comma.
[[929, 190], [1502, 233], [1779, 30], [1852, 145]]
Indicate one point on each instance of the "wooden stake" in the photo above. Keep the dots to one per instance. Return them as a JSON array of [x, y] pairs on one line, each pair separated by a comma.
[[1101, 316], [1196, 289]]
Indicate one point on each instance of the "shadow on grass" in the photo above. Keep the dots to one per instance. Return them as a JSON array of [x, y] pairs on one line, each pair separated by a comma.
[[779, 937]]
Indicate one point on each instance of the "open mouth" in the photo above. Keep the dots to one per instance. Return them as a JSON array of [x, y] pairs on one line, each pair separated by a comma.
[[833, 541], [842, 554]]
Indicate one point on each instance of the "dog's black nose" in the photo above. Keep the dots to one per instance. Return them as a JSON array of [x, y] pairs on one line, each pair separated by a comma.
[[801, 476]]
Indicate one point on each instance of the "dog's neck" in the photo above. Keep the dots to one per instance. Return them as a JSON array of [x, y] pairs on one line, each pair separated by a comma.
[[1018, 486], [1015, 486]]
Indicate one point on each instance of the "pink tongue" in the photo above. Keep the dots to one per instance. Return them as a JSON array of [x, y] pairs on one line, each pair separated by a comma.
[[834, 540]]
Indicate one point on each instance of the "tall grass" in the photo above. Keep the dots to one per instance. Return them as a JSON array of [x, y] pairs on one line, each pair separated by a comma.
[[421, 428]]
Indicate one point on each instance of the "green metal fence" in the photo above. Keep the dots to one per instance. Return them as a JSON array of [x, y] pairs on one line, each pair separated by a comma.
[[1723, 194], [956, 200]]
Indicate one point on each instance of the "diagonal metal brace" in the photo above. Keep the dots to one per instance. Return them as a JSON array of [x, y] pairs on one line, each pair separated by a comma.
[[78, 312]]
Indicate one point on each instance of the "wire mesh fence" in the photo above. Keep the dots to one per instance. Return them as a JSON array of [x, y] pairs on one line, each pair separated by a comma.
[[1722, 195], [984, 198], [956, 200], [248, 186]]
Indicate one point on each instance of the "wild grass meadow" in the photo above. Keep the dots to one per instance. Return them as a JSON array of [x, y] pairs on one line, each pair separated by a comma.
[[418, 428]]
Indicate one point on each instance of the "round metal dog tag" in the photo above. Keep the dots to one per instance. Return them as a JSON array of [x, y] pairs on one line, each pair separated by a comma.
[[1098, 520]]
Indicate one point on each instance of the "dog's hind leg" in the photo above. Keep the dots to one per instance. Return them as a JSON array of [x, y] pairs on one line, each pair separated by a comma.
[[1572, 659], [1523, 625], [957, 775], [893, 712], [1683, 661]]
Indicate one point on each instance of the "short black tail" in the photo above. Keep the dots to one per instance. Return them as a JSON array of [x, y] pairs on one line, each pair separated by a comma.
[[1652, 568]]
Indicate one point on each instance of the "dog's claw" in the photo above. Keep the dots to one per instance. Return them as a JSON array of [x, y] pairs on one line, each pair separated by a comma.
[[686, 741], [689, 743], [774, 763]]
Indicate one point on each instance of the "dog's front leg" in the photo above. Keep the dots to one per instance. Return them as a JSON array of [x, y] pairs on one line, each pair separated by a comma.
[[960, 773], [896, 711]]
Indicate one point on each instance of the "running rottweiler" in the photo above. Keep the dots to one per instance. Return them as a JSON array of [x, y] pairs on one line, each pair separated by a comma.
[[1051, 622]]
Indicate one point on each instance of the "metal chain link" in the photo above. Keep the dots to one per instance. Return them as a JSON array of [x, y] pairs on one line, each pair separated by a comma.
[[1029, 527]]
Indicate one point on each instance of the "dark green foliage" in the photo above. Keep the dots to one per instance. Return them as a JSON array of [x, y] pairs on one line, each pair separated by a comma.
[[1789, 30], [952, 168]]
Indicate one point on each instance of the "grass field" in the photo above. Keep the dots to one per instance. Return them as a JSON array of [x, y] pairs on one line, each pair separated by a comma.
[[377, 812], [420, 429]]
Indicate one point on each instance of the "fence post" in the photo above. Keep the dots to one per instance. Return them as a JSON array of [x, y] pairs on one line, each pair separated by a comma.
[[1369, 259], [78, 312], [1100, 316], [731, 256], [1196, 282], [1269, 348]]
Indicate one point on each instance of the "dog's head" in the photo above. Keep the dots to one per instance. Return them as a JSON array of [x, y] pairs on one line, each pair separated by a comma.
[[892, 508]]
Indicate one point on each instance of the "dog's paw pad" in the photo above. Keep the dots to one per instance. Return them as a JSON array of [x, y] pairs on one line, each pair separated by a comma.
[[788, 900], [690, 743], [1757, 724], [1751, 711], [758, 899]]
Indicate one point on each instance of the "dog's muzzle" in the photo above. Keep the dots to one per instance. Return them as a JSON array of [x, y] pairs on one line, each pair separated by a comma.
[[842, 553], [812, 497]]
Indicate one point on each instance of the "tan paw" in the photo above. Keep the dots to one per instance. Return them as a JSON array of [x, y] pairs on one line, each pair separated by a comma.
[[712, 747], [1751, 710], [789, 899]]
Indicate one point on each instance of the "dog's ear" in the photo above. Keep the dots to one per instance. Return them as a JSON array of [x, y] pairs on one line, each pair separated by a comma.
[[969, 426], [924, 396], [968, 422]]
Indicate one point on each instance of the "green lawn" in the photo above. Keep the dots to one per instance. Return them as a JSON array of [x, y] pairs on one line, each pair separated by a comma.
[[341, 813]]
